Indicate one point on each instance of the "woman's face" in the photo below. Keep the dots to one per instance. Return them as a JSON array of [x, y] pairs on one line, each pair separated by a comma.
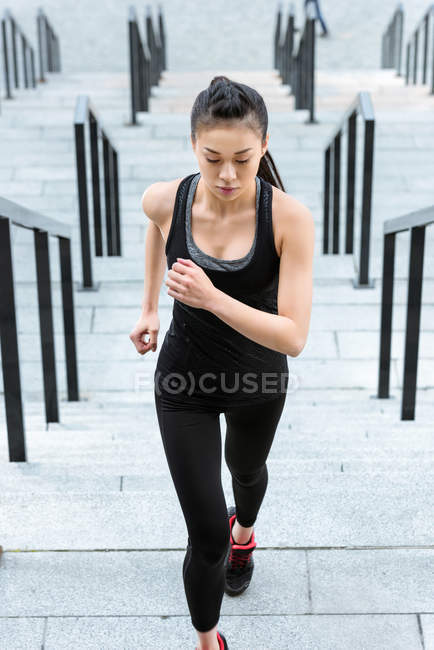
[[228, 156]]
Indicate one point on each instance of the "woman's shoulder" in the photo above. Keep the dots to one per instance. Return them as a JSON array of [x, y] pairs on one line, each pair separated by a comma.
[[288, 214], [158, 200]]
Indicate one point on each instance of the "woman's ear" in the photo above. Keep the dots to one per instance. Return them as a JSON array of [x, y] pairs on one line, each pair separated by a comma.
[[265, 145]]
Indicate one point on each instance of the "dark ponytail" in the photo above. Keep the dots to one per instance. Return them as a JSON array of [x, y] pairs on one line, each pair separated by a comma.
[[227, 100]]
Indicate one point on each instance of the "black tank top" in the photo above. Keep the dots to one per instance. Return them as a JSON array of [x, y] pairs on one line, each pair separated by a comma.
[[204, 362]]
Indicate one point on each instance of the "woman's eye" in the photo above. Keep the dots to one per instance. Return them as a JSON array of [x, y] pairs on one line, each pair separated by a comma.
[[238, 161]]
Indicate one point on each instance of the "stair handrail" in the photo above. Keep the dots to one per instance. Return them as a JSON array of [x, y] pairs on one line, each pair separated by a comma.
[[277, 39], [415, 222], [302, 67], [361, 105], [161, 34], [10, 31], [140, 68], [147, 59], [15, 214], [412, 50], [48, 46], [85, 112], [153, 40], [284, 41], [391, 41]]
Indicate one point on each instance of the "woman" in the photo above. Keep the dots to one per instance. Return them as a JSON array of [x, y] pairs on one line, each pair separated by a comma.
[[239, 309]]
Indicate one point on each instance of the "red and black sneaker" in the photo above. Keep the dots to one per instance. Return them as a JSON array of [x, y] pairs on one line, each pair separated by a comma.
[[239, 561]]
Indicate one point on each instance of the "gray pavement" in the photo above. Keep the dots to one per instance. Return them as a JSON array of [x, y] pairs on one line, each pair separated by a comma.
[[88, 561]]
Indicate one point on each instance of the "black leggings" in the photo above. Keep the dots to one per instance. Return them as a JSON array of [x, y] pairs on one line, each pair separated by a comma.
[[192, 444]]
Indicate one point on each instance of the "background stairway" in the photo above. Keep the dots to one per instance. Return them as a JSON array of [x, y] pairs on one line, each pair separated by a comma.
[[91, 527], [38, 170]]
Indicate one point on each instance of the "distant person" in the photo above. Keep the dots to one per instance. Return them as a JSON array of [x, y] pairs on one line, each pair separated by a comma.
[[325, 31]]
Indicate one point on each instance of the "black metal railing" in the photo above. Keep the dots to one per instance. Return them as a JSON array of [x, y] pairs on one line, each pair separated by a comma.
[[284, 44], [12, 57], [12, 213], [85, 112], [277, 54], [362, 106], [302, 77], [147, 59], [162, 38], [423, 29], [155, 46], [391, 42], [48, 46], [416, 223]]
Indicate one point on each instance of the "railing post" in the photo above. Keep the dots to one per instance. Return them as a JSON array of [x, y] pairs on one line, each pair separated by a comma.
[[118, 250], [24, 59], [415, 54], [336, 191], [432, 52], [351, 176], [368, 166], [398, 55], [40, 28], [162, 37], [277, 36], [150, 39], [134, 64], [32, 65], [414, 301], [289, 54], [425, 47], [68, 318], [310, 77], [46, 325], [80, 155], [94, 158], [386, 314], [326, 206], [14, 49], [6, 58], [108, 194], [9, 349], [58, 55]]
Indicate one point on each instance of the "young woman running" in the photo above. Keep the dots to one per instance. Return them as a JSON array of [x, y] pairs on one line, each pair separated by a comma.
[[239, 252]]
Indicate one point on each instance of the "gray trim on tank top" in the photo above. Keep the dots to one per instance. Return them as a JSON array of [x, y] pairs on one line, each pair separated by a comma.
[[208, 260]]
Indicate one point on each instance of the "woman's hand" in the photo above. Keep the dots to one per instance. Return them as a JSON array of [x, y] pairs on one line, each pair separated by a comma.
[[148, 323], [189, 283]]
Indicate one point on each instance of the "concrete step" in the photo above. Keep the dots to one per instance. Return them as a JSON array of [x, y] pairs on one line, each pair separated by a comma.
[[55, 476], [298, 511]]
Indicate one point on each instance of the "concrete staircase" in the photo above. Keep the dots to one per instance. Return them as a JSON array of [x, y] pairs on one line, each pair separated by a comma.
[[38, 170], [91, 528]]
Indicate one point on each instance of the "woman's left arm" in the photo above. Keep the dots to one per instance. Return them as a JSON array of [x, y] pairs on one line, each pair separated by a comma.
[[285, 331]]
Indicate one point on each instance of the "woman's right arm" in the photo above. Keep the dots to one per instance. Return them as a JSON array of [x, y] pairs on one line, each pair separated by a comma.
[[155, 265]]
